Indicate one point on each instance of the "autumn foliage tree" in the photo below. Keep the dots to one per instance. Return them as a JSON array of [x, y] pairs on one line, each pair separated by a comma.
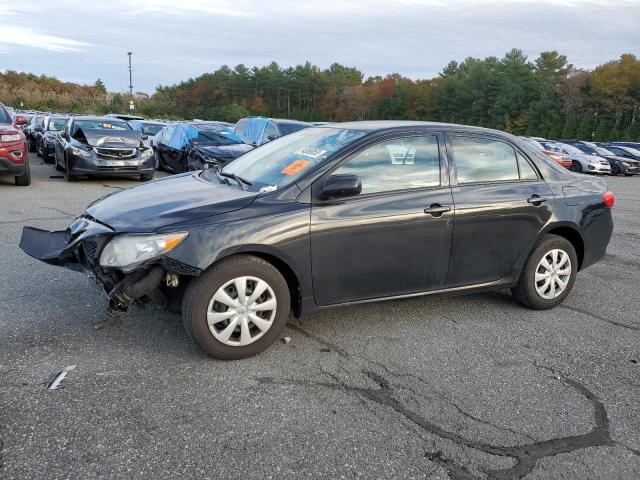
[[545, 96]]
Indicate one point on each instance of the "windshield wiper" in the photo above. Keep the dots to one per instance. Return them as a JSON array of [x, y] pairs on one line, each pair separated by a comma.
[[239, 180]]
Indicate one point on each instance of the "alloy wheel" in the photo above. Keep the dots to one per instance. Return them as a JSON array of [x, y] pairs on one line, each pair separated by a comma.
[[241, 311], [552, 274]]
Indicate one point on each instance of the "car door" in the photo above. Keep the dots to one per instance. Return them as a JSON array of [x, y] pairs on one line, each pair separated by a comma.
[[163, 149], [393, 238], [501, 203]]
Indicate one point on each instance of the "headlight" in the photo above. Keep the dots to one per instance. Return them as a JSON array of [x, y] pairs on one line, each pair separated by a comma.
[[146, 153], [80, 152], [128, 251], [10, 138]]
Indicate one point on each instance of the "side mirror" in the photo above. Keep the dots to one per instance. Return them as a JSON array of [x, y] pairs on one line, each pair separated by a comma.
[[272, 137], [341, 186], [21, 120], [144, 137]]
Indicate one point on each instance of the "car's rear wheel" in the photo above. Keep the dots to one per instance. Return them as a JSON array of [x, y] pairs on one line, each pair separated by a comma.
[[576, 167], [237, 308], [548, 275], [24, 180]]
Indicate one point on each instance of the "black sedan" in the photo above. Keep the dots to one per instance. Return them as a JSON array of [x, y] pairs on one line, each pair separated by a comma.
[[35, 126], [629, 153], [336, 215], [102, 146], [46, 139], [194, 146]]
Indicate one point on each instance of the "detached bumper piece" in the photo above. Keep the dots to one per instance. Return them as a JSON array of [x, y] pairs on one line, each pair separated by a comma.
[[44, 245]]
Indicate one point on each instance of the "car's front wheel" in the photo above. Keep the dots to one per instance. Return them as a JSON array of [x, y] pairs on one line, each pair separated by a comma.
[[548, 275], [237, 308]]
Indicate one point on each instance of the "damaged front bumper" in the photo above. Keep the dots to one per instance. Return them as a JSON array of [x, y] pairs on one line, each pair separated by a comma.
[[78, 248]]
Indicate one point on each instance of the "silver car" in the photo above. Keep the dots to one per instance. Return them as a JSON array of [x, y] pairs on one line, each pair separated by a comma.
[[580, 161]]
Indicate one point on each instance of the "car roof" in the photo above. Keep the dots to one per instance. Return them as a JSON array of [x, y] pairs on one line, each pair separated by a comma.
[[373, 125], [96, 117]]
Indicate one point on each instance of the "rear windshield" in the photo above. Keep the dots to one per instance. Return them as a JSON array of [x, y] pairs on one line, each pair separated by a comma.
[[151, 128]]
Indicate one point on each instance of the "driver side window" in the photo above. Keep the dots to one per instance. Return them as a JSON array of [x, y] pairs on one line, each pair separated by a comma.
[[398, 164]]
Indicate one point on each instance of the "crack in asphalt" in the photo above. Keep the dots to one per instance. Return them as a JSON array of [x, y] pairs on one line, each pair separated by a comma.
[[525, 456], [600, 317]]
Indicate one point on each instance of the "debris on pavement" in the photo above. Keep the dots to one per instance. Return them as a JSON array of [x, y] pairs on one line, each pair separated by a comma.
[[286, 340], [56, 381]]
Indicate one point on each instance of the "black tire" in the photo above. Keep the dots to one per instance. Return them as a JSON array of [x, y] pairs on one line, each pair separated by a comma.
[[30, 145], [146, 177], [57, 165], [38, 151], [525, 291], [67, 175], [615, 170], [24, 180], [576, 167], [200, 291], [158, 162]]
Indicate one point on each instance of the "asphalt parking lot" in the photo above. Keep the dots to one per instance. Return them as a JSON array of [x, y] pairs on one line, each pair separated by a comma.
[[460, 388]]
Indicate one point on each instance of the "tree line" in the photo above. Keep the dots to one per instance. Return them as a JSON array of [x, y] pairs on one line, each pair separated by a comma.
[[546, 97]]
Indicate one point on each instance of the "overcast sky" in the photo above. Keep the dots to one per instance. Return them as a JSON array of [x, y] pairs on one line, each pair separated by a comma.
[[173, 40]]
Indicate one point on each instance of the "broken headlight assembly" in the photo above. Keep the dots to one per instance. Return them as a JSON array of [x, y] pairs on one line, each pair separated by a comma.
[[126, 252]]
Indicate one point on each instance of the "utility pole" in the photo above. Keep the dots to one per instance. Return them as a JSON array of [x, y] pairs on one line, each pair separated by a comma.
[[130, 78]]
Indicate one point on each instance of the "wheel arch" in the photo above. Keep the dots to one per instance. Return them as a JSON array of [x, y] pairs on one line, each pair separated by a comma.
[[571, 233], [284, 265]]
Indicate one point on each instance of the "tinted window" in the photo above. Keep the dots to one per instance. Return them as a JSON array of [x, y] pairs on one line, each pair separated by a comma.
[[402, 163], [4, 115], [484, 160]]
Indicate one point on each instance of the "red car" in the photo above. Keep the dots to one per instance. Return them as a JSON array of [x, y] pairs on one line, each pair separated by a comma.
[[13, 150], [560, 158]]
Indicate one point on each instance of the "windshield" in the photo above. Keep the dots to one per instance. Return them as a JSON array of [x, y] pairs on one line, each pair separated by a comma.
[[603, 151], [632, 151], [282, 161], [101, 124], [56, 124], [151, 128], [215, 135], [571, 149]]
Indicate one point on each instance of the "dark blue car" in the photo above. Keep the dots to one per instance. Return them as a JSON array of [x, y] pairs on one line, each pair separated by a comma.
[[199, 145]]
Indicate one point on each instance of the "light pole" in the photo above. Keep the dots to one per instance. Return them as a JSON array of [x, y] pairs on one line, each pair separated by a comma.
[[130, 77]]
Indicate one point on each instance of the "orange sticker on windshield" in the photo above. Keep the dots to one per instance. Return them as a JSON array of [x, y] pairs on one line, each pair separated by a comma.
[[295, 167]]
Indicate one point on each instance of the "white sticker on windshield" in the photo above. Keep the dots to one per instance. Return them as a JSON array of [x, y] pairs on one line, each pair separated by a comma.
[[268, 188], [312, 152]]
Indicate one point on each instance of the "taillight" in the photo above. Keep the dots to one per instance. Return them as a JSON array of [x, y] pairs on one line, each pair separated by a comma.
[[608, 198]]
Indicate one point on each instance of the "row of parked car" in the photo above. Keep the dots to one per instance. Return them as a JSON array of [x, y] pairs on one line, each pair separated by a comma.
[[131, 146], [125, 145], [611, 158]]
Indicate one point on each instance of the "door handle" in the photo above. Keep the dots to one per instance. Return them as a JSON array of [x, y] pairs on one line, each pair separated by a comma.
[[536, 199], [437, 210]]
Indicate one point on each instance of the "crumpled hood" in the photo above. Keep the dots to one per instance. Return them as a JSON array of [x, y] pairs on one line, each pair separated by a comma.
[[224, 151], [163, 202], [108, 138]]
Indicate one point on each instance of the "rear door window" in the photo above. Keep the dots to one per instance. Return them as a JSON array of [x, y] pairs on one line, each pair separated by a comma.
[[481, 160]]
